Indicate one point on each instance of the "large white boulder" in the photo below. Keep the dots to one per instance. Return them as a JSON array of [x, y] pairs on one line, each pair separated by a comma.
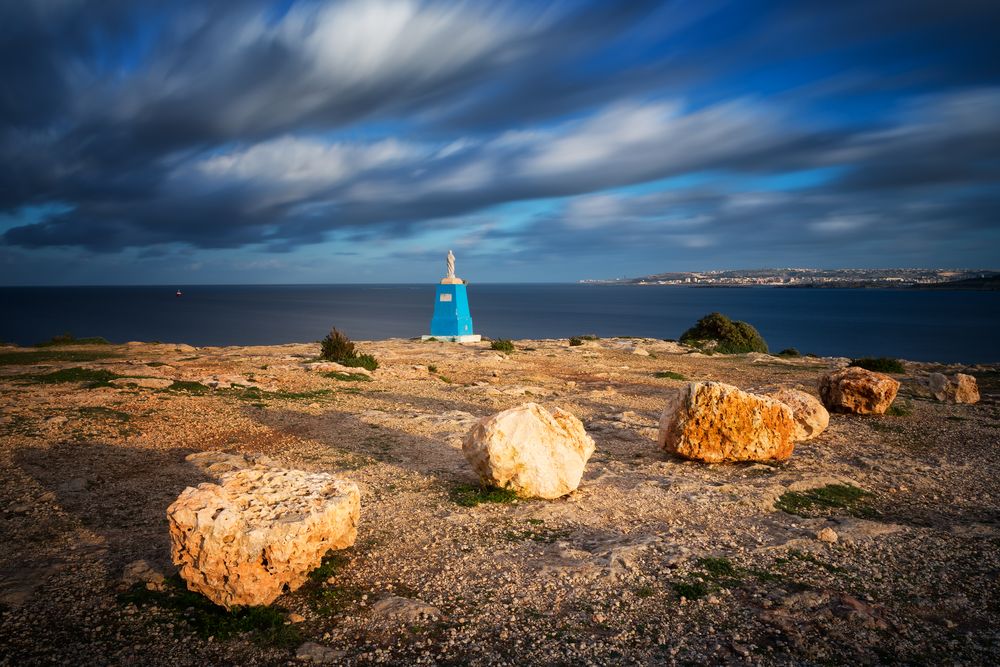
[[959, 388], [532, 451], [259, 531], [716, 422]]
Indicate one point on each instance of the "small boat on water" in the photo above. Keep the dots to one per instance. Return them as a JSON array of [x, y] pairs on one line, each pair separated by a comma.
[[179, 293]]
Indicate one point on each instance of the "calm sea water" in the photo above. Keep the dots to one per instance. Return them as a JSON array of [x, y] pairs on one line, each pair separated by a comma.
[[919, 325]]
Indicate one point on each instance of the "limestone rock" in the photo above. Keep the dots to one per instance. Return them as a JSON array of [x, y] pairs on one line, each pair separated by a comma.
[[404, 610], [715, 422], [318, 654], [859, 391], [217, 463], [140, 571], [959, 388], [535, 452], [811, 418], [262, 529], [828, 535]]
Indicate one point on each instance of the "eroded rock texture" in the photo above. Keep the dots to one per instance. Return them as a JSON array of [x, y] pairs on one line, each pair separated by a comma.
[[715, 422], [959, 388], [811, 418], [536, 453], [859, 391], [260, 530]]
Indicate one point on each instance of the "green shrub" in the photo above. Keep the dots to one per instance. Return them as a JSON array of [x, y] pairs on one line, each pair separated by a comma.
[[575, 341], [728, 336], [669, 375], [365, 361], [470, 495], [70, 339], [879, 364], [339, 348], [502, 345], [789, 352], [336, 347]]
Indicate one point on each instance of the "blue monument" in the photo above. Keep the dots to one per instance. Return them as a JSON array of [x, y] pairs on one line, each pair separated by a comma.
[[452, 320]]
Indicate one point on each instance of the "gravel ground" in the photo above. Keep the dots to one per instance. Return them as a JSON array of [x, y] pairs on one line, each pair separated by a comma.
[[653, 560]]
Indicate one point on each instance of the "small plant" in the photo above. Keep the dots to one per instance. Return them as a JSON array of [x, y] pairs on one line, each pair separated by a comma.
[[502, 345], [879, 364], [575, 341], [432, 368], [717, 567], [789, 352], [366, 361], [718, 333], [668, 375], [470, 495], [645, 592], [70, 339]]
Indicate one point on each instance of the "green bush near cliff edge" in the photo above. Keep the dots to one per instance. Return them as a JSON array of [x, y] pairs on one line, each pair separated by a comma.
[[718, 333], [879, 364], [502, 345]]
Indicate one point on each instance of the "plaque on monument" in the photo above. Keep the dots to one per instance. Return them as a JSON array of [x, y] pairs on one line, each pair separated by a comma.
[[452, 320]]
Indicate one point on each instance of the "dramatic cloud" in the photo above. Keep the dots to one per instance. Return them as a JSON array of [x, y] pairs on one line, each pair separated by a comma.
[[720, 134]]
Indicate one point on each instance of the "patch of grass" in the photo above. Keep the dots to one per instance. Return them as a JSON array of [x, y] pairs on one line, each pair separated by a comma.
[[502, 345], [70, 339], [819, 501], [900, 409], [879, 364], [691, 590], [668, 375], [332, 563], [266, 625], [188, 387], [43, 356], [366, 361], [90, 377], [254, 394], [445, 378], [717, 567], [470, 495], [347, 377], [432, 368], [790, 352], [155, 364], [718, 333], [645, 592], [575, 341]]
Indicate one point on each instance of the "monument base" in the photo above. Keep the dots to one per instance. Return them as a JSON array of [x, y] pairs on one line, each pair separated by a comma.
[[468, 338]]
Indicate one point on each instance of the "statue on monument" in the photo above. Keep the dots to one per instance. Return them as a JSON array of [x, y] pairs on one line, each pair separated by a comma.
[[451, 265]]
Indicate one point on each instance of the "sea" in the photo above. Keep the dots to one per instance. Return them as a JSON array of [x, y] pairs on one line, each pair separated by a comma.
[[921, 325]]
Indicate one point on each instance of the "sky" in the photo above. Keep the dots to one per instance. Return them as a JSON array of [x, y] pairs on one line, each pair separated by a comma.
[[177, 142]]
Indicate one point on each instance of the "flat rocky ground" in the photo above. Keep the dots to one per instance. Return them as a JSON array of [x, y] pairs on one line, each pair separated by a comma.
[[653, 560]]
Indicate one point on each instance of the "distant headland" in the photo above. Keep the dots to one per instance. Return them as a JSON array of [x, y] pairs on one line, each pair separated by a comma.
[[965, 279]]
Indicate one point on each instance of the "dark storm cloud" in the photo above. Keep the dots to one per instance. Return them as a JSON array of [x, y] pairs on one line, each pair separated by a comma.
[[235, 124]]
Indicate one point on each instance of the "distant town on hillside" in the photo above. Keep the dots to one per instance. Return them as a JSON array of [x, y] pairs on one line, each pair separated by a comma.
[[853, 278]]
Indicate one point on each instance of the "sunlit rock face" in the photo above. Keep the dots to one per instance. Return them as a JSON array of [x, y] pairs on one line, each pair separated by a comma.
[[858, 391], [811, 418]]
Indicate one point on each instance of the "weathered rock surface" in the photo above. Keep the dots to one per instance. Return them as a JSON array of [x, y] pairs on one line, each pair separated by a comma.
[[859, 391], [811, 418], [959, 388], [535, 452], [262, 529], [146, 383], [404, 610], [715, 422]]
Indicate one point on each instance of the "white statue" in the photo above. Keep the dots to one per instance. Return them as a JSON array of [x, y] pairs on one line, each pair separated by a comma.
[[451, 265]]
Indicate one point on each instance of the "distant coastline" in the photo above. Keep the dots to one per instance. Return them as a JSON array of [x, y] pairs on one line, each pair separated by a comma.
[[933, 279]]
